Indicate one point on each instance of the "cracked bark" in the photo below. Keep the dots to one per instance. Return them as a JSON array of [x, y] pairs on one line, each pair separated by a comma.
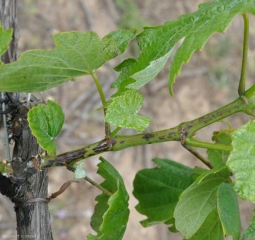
[[27, 181]]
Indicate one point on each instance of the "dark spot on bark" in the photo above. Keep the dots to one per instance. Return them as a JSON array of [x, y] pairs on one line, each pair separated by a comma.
[[121, 142], [161, 138], [147, 136]]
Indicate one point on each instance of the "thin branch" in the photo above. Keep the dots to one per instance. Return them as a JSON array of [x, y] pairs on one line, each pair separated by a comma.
[[172, 134], [198, 155]]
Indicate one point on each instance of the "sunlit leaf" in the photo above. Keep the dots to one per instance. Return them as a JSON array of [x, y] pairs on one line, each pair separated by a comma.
[[242, 161], [191, 30], [122, 111], [46, 122], [195, 205], [75, 54]]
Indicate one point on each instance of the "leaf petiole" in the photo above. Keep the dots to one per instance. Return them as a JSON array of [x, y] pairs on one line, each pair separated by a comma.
[[105, 191], [196, 143], [242, 81], [103, 100]]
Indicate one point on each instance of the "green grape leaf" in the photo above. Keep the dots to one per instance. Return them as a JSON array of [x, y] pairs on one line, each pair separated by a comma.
[[228, 210], [249, 233], [194, 206], [218, 158], [46, 122], [211, 228], [75, 54], [5, 38], [122, 111], [111, 212], [193, 29], [158, 190], [242, 161]]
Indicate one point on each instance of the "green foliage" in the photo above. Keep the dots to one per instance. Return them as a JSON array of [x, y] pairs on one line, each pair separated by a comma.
[[158, 189], [46, 122], [200, 203], [111, 212], [242, 161], [195, 29], [5, 38], [75, 54], [122, 111], [195, 205]]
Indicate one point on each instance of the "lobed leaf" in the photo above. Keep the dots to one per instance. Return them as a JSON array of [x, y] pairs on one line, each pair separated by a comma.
[[75, 54], [111, 213], [158, 190], [5, 38], [46, 122], [123, 109], [242, 161], [193, 29]]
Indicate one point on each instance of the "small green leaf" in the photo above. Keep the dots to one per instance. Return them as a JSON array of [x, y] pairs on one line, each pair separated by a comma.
[[228, 210], [5, 38], [242, 161], [75, 54], [158, 190], [79, 171], [122, 111], [111, 213], [211, 228], [194, 206], [218, 158], [249, 233], [46, 122]]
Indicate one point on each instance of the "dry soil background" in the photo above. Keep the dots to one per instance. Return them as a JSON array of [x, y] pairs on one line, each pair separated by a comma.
[[209, 81]]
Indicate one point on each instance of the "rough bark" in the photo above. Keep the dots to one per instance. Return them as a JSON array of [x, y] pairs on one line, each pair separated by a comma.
[[27, 184], [8, 17]]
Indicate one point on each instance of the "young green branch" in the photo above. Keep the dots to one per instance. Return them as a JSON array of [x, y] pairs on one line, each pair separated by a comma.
[[183, 133]]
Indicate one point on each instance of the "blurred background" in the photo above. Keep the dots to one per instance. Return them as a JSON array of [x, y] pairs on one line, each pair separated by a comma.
[[207, 82]]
